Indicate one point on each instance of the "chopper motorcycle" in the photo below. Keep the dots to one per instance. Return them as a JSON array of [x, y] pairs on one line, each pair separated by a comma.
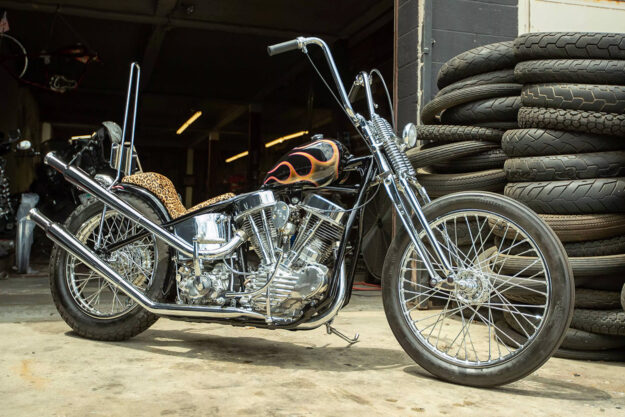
[[283, 257]]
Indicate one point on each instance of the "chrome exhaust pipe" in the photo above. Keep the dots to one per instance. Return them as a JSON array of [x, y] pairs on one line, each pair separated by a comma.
[[82, 180], [67, 241]]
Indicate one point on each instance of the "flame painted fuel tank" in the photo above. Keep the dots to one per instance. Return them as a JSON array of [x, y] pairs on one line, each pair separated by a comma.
[[317, 163]]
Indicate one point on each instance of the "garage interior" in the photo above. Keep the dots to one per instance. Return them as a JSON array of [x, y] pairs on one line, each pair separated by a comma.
[[204, 65], [208, 57]]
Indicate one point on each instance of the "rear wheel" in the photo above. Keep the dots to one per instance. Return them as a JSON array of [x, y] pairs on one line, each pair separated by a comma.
[[451, 331], [91, 306]]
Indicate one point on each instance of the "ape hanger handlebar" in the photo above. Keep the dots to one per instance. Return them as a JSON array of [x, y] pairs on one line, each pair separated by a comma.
[[301, 43]]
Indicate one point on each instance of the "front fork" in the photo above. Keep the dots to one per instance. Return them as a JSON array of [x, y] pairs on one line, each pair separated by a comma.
[[401, 193], [399, 188]]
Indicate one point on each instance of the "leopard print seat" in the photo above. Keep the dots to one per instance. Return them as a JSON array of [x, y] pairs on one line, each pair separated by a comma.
[[164, 190]]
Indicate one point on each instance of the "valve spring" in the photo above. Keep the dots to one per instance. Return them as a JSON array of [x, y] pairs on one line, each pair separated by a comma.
[[398, 159]]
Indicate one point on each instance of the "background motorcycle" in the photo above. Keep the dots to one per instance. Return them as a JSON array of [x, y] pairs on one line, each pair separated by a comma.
[[15, 228], [276, 258], [88, 153]]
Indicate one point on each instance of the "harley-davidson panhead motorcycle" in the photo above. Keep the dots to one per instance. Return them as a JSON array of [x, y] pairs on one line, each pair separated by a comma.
[[462, 272]]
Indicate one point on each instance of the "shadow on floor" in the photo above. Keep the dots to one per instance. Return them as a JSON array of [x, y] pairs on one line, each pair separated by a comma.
[[265, 352]]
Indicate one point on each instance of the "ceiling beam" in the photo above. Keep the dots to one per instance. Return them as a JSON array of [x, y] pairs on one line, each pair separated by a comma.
[[68, 10]]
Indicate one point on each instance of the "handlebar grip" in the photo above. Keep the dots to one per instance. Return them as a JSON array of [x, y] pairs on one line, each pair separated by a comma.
[[280, 48]]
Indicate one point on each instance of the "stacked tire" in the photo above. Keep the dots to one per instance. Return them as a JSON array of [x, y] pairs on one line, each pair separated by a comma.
[[567, 162], [463, 125]]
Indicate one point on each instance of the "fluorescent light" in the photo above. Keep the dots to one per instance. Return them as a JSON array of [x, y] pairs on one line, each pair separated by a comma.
[[188, 122], [80, 137], [270, 144], [285, 138], [237, 156]]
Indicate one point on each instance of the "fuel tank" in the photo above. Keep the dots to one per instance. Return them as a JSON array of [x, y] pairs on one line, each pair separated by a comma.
[[317, 163]]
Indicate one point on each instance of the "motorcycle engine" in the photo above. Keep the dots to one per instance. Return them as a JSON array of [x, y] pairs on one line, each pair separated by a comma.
[[293, 243]]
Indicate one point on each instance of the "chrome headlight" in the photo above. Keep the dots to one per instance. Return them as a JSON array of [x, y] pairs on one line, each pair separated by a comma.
[[409, 135]]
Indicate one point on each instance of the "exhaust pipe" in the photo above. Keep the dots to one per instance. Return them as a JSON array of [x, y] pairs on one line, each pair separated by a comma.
[[67, 241], [82, 180]]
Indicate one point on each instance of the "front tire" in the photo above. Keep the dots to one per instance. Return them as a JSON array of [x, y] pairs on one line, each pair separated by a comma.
[[87, 303], [480, 358]]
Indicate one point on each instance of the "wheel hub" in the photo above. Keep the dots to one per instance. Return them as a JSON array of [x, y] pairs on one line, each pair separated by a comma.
[[472, 287]]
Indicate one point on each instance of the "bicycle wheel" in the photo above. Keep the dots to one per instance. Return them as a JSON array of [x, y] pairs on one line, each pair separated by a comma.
[[451, 331], [13, 55]]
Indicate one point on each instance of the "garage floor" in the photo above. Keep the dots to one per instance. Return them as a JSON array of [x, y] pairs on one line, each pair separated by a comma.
[[177, 368]]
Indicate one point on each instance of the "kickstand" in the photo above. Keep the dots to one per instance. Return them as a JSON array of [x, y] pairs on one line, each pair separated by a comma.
[[332, 330]]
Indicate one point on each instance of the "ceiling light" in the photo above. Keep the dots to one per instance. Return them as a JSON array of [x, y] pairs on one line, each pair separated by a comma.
[[285, 138], [237, 156], [188, 122], [80, 137], [269, 144]]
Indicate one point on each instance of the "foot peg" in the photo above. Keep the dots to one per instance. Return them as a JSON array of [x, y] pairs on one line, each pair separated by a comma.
[[332, 330]]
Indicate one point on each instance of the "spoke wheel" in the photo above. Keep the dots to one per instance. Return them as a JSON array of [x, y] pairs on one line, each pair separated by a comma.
[[458, 322], [452, 329], [91, 306], [135, 262]]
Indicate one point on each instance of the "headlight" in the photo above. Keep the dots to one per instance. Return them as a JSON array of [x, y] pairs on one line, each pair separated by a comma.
[[409, 135]]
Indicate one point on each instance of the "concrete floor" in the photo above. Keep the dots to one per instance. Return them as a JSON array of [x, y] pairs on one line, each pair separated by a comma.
[[177, 368]]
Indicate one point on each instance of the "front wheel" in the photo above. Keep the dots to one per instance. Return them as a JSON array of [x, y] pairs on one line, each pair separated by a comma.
[[501, 252]]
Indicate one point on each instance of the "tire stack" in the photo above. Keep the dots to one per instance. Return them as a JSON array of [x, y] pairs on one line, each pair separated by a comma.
[[463, 125], [567, 162]]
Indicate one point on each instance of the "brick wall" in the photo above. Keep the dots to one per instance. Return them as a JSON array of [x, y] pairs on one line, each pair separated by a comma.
[[449, 28]]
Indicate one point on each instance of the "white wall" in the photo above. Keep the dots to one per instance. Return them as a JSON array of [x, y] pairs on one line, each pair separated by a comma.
[[571, 16]]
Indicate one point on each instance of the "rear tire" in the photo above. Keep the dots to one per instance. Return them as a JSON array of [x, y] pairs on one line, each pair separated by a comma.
[[91, 321], [555, 316]]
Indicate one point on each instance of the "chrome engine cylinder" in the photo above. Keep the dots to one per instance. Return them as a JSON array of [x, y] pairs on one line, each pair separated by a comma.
[[254, 213], [320, 228]]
